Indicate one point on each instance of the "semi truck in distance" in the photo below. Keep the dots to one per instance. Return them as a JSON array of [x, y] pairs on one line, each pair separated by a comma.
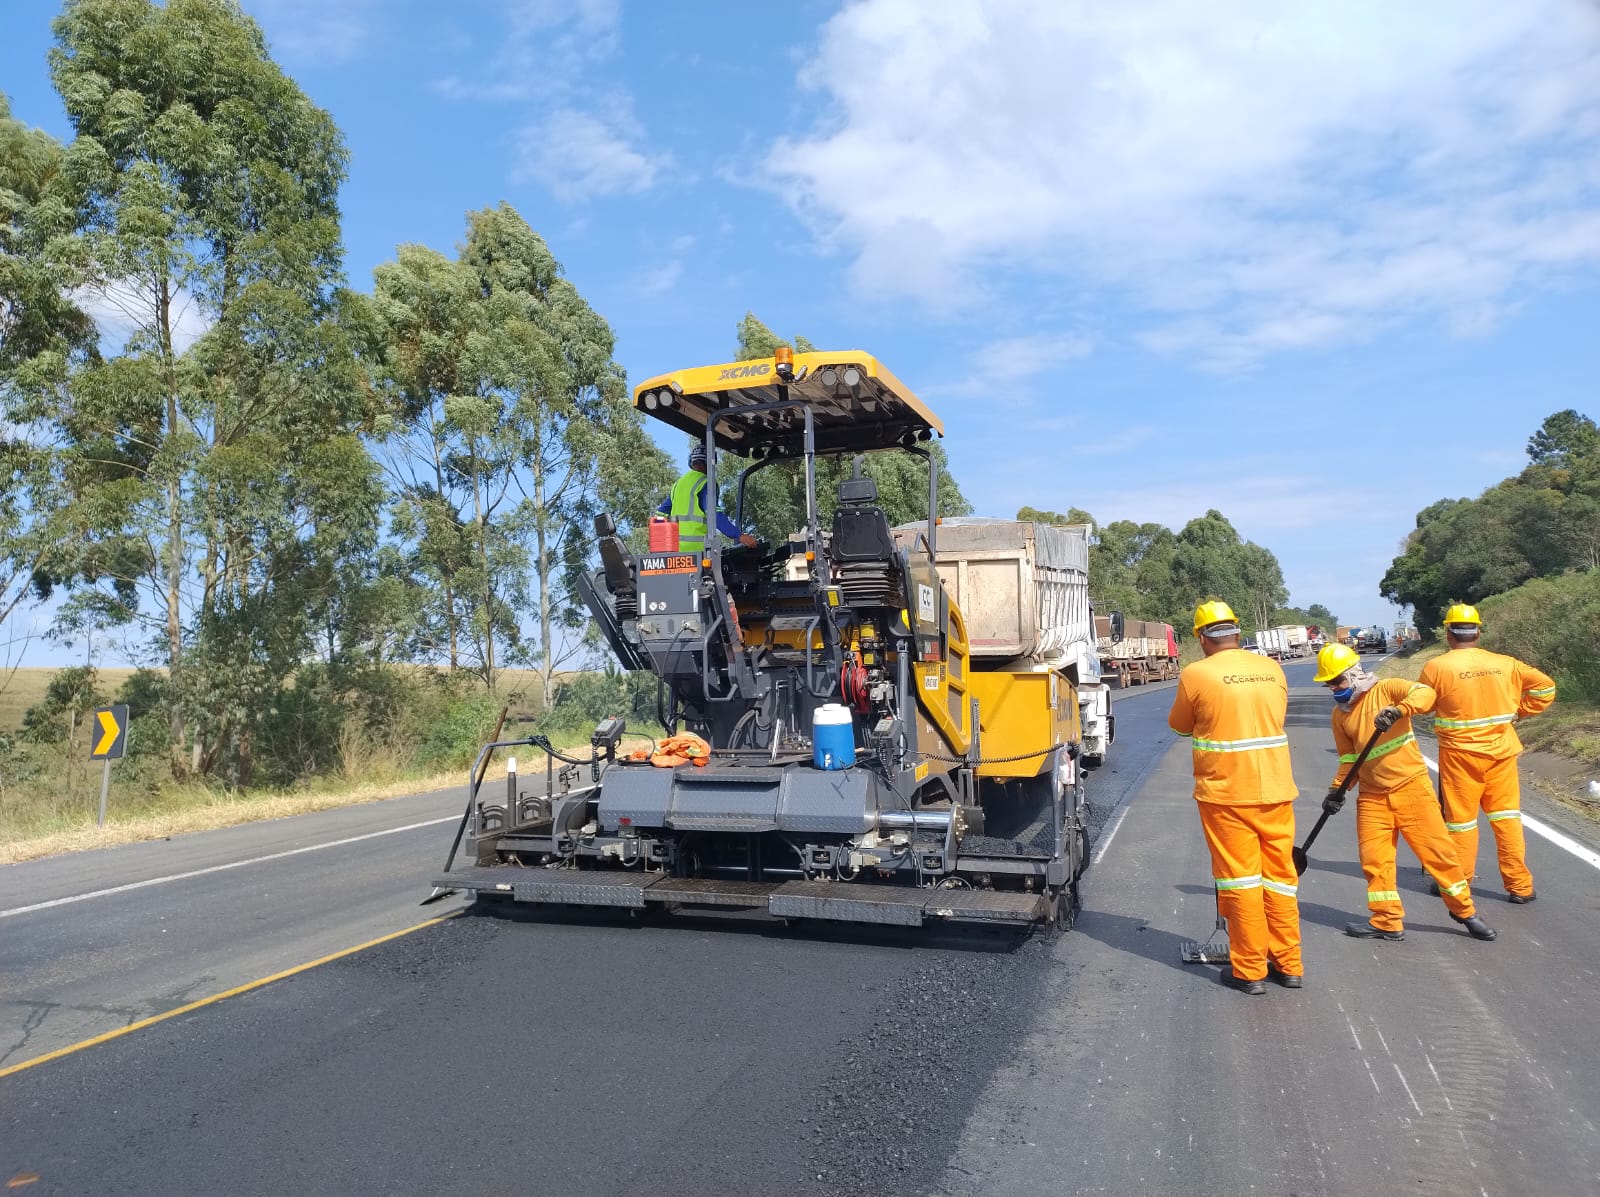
[[1145, 651]]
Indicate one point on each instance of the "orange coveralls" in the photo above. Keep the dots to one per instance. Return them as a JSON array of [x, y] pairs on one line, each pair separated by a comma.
[[1232, 705], [1396, 799], [1481, 695]]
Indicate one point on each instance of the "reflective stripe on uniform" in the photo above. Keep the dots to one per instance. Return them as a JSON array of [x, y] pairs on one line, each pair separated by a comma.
[[1458, 828], [1461, 724], [1456, 890], [1495, 816], [1383, 895], [1349, 758], [1278, 887], [1541, 692], [1240, 745], [1251, 882]]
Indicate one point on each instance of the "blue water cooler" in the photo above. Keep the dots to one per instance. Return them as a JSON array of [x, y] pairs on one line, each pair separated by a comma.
[[833, 737]]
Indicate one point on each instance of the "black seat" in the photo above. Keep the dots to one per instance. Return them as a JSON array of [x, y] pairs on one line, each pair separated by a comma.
[[617, 566], [860, 530]]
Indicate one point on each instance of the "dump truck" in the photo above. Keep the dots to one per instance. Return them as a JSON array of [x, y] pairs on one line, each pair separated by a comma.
[[836, 748], [1024, 590], [1296, 643], [1143, 651], [1273, 643]]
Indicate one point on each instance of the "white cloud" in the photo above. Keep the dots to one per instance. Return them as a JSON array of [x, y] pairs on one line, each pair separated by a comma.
[[586, 140], [315, 31], [1246, 493], [1264, 179], [1001, 368], [578, 155], [661, 279]]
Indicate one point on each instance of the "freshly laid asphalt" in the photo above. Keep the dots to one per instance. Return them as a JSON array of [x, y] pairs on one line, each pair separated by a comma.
[[587, 1055]]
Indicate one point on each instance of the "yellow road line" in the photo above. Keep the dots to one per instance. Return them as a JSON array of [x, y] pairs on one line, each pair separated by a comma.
[[216, 997]]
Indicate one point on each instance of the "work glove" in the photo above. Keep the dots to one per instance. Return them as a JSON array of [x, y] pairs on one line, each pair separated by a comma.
[[1334, 802], [1388, 717]]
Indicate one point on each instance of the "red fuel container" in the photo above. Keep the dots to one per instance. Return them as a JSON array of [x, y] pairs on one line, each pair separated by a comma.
[[663, 534]]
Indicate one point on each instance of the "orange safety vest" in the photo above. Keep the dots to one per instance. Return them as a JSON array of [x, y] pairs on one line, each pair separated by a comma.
[[688, 507], [1232, 706], [1480, 697], [1395, 759]]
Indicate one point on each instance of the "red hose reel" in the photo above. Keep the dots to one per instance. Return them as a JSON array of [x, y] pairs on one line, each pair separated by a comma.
[[853, 684]]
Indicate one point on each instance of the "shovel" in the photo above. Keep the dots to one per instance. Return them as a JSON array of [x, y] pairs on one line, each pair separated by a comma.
[[1301, 860]]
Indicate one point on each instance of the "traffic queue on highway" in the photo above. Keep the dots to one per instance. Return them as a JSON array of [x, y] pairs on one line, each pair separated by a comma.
[[1232, 705]]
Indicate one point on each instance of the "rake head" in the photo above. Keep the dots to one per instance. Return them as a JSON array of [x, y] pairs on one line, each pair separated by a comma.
[[1203, 953]]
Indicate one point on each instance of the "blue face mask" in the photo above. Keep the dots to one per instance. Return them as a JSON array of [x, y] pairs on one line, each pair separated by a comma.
[[1343, 696]]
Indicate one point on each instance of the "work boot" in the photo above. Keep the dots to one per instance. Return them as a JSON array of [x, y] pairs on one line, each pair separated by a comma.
[[1368, 931], [1476, 927], [1287, 980], [1252, 988], [1521, 899], [1433, 887]]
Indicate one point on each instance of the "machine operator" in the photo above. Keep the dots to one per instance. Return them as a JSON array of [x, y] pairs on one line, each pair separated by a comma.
[[687, 504]]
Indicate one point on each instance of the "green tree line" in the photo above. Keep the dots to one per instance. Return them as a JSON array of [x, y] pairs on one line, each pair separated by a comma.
[[320, 513], [1541, 522], [278, 484], [1526, 551], [1148, 571]]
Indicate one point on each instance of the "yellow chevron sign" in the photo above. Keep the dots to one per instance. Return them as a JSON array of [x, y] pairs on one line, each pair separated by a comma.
[[113, 740]]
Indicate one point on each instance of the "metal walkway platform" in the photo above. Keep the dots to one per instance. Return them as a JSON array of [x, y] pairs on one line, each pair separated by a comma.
[[836, 901]]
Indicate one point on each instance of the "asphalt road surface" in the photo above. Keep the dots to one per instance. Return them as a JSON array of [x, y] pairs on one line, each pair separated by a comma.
[[585, 1055]]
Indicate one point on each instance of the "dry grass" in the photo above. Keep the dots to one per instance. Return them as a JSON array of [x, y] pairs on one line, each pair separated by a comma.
[[24, 688], [53, 826], [1410, 665], [1574, 797], [1572, 732]]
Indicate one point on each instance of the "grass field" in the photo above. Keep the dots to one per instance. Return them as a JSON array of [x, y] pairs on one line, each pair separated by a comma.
[[23, 688], [50, 819], [51, 808]]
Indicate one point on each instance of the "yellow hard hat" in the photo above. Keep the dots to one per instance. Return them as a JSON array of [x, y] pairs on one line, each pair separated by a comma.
[[1463, 613], [1334, 660], [1213, 611]]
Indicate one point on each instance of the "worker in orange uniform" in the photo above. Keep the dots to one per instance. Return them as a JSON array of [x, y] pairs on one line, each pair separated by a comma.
[[1232, 706], [1395, 796], [1481, 695]]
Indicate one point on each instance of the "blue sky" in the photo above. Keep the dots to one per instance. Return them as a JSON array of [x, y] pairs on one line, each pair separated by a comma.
[[1313, 265]]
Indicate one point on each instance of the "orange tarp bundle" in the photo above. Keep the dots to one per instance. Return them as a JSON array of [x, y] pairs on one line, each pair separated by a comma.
[[674, 751]]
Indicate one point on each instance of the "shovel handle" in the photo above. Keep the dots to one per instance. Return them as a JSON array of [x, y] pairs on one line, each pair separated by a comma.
[[1300, 858]]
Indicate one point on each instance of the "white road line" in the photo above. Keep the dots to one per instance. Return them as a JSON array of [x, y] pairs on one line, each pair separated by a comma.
[[1409, 1094], [1110, 832], [1371, 1075], [1442, 1090], [234, 864], [1559, 839]]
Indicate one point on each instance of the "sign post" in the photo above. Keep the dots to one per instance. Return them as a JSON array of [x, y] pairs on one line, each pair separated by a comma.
[[113, 741]]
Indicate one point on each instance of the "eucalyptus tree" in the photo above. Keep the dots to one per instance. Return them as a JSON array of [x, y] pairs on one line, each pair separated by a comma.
[[217, 472], [42, 333], [509, 430]]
